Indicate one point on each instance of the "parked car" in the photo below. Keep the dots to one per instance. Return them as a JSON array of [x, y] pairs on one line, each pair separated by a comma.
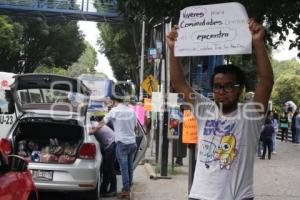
[[7, 109], [15, 178], [52, 133]]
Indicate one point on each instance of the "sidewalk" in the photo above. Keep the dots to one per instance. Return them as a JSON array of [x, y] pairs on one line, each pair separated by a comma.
[[279, 178], [175, 188], [274, 179]]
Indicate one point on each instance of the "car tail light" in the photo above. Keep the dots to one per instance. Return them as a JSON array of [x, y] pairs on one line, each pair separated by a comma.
[[5, 145], [87, 151]]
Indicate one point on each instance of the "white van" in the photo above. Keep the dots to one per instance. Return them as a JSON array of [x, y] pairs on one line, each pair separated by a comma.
[[7, 106]]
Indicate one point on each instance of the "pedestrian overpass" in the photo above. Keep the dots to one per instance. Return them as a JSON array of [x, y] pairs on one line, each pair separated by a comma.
[[90, 10]]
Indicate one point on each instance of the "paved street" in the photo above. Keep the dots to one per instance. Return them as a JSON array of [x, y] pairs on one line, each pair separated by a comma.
[[275, 179], [279, 178]]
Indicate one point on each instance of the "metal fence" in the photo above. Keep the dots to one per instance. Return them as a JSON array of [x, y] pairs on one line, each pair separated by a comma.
[[82, 5], [92, 10]]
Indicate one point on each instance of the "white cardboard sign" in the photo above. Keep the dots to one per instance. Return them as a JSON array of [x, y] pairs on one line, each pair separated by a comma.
[[216, 29], [157, 102]]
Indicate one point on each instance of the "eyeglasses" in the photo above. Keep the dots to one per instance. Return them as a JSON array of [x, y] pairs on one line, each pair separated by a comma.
[[227, 87]]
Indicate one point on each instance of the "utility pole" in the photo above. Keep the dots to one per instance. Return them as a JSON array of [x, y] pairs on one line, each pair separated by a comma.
[[165, 91], [191, 147], [142, 60]]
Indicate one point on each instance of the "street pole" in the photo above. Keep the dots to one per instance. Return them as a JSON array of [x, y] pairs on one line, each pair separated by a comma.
[[192, 164], [142, 60], [192, 147], [165, 91]]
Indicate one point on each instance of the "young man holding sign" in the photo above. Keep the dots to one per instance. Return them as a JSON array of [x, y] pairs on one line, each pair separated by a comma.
[[228, 131]]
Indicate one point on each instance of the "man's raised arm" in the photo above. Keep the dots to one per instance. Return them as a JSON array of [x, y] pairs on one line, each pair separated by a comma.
[[178, 80], [263, 66]]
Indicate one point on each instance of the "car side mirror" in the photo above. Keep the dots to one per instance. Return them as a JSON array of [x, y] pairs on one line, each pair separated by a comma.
[[4, 163], [17, 163]]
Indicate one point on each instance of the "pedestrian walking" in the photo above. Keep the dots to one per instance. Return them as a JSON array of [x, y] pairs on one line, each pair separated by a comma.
[[297, 126], [106, 137], [293, 126], [284, 126], [124, 122], [266, 137], [275, 125], [227, 139]]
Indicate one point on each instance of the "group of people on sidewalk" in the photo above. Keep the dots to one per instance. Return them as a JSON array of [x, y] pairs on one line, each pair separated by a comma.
[[295, 127], [118, 142], [288, 121], [268, 135]]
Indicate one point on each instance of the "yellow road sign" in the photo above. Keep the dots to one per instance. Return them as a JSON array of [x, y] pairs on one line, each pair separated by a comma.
[[150, 84]]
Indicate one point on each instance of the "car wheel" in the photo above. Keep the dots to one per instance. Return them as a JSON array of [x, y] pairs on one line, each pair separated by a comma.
[[32, 196]]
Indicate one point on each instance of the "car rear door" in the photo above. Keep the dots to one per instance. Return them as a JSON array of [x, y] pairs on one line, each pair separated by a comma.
[[141, 141], [36, 83]]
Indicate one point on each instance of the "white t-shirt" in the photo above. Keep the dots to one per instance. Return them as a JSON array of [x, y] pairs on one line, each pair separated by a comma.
[[124, 121], [226, 151]]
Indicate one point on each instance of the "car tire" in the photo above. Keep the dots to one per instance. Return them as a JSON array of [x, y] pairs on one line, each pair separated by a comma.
[[32, 196]]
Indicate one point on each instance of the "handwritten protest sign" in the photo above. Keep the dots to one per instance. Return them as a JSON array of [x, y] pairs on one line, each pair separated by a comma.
[[216, 29], [175, 117], [172, 99], [140, 113], [157, 102], [189, 130], [147, 104]]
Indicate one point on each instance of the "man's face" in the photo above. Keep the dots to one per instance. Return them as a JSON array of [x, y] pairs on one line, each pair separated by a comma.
[[226, 90]]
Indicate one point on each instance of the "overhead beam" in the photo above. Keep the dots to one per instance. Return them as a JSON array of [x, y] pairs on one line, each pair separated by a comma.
[[61, 14]]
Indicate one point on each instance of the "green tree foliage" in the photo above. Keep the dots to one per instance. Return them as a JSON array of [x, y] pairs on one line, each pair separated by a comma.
[[286, 67], [286, 89], [85, 64], [119, 44], [37, 42], [287, 82], [10, 44], [279, 15], [52, 70]]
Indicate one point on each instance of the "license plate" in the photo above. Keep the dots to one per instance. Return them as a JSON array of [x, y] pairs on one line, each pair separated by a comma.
[[6, 119], [42, 174]]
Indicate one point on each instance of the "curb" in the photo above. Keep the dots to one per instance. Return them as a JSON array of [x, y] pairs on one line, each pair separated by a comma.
[[150, 171]]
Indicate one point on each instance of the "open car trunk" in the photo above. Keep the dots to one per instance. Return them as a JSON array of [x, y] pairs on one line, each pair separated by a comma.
[[41, 141]]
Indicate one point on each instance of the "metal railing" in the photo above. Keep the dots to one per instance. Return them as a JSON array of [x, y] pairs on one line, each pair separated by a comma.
[[82, 5], [92, 10]]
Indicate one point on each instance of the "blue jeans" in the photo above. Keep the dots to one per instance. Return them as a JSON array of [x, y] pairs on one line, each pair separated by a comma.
[[125, 154], [259, 148], [297, 136], [274, 140]]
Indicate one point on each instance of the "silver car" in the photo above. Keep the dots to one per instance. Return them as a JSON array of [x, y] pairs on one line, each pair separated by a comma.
[[52, 133]]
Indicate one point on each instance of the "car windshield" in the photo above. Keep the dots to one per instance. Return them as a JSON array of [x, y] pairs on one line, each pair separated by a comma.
[[50, 96]]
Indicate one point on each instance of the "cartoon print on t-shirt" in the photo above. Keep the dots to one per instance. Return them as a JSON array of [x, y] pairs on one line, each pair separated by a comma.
[[226, 151], [218, 143]]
